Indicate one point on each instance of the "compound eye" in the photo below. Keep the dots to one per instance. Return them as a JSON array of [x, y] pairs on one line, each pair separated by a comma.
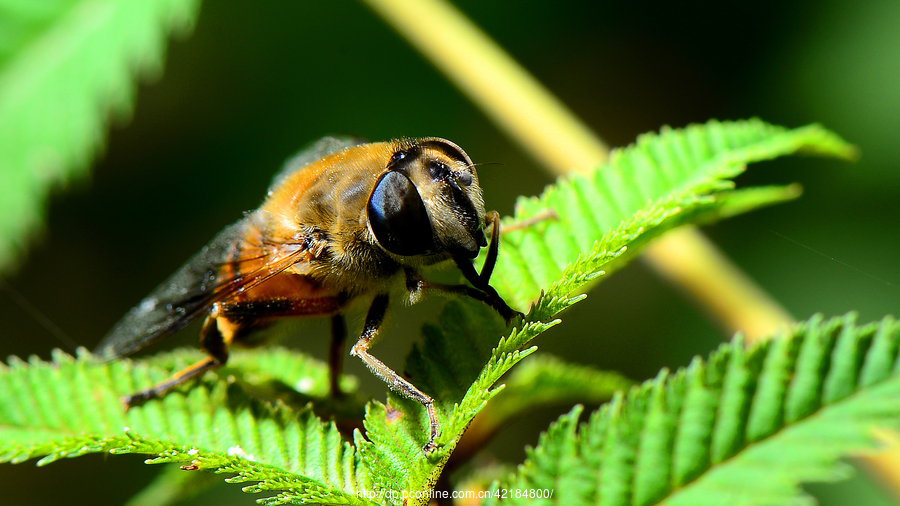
[[398, 217]]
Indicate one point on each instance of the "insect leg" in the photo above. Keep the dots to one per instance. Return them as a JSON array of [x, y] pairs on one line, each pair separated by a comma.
[[484, 292], [490, 261], [481, 281], [336, 352], [493, 218], [394, 381], [211, 341]]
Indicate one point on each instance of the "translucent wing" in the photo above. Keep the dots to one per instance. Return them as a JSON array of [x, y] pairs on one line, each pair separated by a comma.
[[223, 267], [312, 152]]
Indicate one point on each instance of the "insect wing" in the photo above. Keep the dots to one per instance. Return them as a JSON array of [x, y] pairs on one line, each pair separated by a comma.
[[312, 152], [220, 270]]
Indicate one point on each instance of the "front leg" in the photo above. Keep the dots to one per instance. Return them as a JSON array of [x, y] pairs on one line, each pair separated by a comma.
[[482, 291], [336, 353], [361, 349], [481, 281], [492, 218]]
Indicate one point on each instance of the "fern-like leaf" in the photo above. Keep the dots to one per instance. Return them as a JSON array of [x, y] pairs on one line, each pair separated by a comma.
[[745, 427], [64, 65], [70, 407], [674, 171], [662, 181]]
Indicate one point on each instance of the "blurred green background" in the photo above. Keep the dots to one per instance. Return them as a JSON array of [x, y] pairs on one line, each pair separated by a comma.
[[252, 85]]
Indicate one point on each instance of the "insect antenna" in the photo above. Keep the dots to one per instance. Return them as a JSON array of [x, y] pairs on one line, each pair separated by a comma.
[[482, 164]]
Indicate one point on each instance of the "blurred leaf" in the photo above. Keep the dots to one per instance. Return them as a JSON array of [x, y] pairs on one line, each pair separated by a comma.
[[172, 486], [65, 65], [539, 381], [746, 427], [544, 380]]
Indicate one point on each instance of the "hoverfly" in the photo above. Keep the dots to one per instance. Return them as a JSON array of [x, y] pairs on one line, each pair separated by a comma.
[[343, 222]]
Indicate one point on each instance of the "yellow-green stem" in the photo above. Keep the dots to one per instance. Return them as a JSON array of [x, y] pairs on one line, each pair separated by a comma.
[[885, 466], [549, 131], [688, 259]]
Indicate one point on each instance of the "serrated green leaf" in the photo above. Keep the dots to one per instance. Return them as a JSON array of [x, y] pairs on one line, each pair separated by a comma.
[[683, 438], [65, 65], [70, 407], [677, 171], [460, 362], [602, 219]]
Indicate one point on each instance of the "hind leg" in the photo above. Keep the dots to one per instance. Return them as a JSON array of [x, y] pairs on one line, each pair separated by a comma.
[[336, 353], [212, 342]]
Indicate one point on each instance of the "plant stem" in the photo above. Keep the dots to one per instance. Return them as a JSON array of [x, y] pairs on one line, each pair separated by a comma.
[[885, 466], [550, 132], [689, 260]]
